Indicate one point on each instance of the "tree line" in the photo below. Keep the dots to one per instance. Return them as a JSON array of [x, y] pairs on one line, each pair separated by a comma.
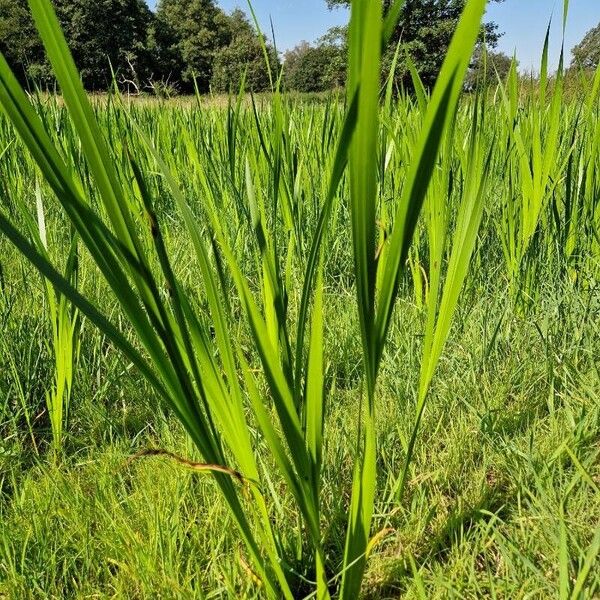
[[183, 45], [193, 44]]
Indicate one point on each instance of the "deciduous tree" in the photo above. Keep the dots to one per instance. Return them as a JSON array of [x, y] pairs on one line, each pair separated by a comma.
[[320, 67], [242, 55], [487, 66], [587, 53], [191, 34], [100, 33], [424, 31]]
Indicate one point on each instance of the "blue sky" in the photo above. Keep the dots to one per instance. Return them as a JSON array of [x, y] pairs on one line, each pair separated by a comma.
[[524, 23]]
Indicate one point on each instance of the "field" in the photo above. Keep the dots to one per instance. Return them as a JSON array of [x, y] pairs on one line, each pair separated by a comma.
[[301, 347]]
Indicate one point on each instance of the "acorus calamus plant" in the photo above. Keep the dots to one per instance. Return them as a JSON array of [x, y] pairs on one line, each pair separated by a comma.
[[198, 370]]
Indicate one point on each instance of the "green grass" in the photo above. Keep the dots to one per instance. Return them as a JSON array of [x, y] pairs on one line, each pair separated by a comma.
[[482, 501], [367, 328]]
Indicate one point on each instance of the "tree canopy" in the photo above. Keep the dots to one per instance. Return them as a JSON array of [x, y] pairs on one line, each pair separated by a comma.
[[319, 67], [185, 40], [587, 53], [192, 31], [487, 67], [424, 31], [101, 33], [242, 57]]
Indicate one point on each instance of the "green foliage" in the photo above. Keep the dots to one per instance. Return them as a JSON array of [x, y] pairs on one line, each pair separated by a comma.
[[587, 53], [19, 41], [424, 31], [487, 67], [101, 33], [242, 59], [204, 48], [65, 324], [183, 43], [317, 68], [192, 31], [203, 388], [391, 445]]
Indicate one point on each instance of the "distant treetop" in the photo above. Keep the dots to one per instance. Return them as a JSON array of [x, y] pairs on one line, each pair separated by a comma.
[[424, 31], [587, 53]]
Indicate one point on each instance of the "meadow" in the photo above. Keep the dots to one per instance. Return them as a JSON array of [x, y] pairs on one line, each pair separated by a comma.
[[302, 348]]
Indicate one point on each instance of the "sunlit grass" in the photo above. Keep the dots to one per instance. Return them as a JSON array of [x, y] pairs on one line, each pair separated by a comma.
[[265, 266]]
